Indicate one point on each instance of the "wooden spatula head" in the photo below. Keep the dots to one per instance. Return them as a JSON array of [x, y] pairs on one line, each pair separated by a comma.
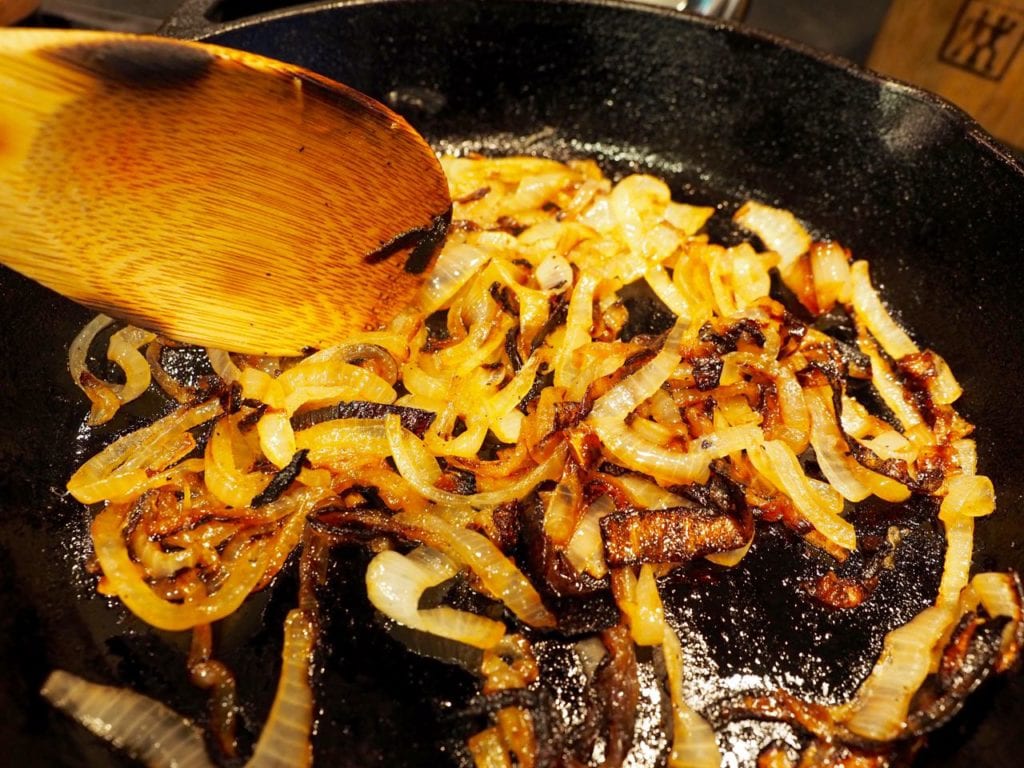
[[215, 196]]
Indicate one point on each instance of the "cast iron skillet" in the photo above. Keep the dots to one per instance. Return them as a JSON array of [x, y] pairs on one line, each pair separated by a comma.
[[901, 177]]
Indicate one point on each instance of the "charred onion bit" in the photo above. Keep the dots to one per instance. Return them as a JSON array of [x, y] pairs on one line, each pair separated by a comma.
[[612, 696], [280, 481], [969, 660], [415, 420]]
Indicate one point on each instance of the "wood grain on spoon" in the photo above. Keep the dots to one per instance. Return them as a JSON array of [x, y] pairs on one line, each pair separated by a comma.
[[211, 195]]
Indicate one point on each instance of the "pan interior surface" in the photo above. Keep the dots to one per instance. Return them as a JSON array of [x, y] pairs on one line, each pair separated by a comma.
[[723, 116]]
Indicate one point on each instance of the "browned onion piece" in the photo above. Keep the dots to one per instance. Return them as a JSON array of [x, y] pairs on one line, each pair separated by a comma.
[[613, 694], [672, 535], [895, 469], [969, 659], [549, 567], [836, 592], [540, 417], [215, 677]]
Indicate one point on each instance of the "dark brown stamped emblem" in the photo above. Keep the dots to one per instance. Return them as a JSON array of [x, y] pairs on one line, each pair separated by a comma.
[[984, 39]]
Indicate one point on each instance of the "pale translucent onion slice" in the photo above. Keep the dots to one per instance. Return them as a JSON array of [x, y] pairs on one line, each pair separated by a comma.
[[689, 219], [830, 267], [998, 593], [144, 728], [586, 547], [260, 385], [870, 310], [498, 574], [503, 418], [341, 441], [562, 508], [660, 282], [327, 378], [1000, 596], [285, 740], [488, 749], [229, 459], [644, 493], [956, 566], [669, 465], [128, 464], [625, 396], [395, 583], [637, 203], [638, 599], [104, 399], [693, 739], [888, 445], [420, 469], [124, 350], [968, 496], [778, 229], [830, 449], [578, 324], [160, 563], [883, 700], [223, 365], [795, 423], [455, 266], [731, 557], [277, 438], [943, 387], [891, 388], [880, 707], [554, 273]]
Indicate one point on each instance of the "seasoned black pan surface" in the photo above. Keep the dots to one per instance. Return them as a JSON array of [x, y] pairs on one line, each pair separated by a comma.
[[901, 178]]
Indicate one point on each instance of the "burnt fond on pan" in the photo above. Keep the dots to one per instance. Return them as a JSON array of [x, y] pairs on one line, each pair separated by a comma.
[[901, 179]]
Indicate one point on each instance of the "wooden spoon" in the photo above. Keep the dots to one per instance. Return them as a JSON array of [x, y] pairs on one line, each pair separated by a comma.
[[214, 196]]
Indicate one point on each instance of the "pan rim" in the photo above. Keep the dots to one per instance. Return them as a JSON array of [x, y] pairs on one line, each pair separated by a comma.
[[188, 23]]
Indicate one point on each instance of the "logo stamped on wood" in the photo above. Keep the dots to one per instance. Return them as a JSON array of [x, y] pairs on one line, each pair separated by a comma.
[[984, 39]]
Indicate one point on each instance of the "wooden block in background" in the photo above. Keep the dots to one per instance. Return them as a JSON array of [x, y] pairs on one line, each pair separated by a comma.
[[970, 51]]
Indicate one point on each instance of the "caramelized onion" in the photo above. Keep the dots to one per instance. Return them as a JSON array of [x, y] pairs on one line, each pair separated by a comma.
[[668, 535], [497, 573], [127, 582], [125, 467], [819, 505], [880, 708], [539, 405]]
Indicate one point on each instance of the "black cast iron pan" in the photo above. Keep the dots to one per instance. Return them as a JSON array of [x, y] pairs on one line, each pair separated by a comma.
[[902, 178]]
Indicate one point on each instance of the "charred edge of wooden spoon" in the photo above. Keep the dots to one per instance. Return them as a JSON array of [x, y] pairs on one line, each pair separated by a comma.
[[423, 240], [144, 64]]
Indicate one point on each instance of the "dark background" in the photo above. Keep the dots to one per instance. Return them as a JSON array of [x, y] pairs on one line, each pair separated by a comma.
[[844, 27]]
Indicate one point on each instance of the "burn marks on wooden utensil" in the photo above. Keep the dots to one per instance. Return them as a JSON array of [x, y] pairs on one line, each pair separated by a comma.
[[136, 62]]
